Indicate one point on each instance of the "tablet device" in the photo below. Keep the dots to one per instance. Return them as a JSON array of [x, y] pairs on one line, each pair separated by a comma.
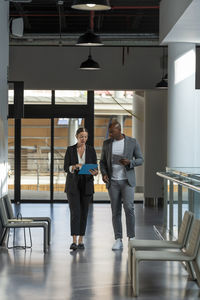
[[85, 168], [116, 159]]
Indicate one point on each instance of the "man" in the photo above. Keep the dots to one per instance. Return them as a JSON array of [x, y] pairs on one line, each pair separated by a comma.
[[120, 155]]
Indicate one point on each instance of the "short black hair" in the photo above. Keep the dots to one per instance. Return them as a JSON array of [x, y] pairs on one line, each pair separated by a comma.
[[115, 123], [81, 129]]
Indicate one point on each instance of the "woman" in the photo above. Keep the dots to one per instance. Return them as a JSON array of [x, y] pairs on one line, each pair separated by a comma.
[[79, 188]]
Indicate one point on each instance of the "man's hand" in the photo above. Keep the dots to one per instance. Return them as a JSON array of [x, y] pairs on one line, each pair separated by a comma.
[[124, 161], [105, 178]]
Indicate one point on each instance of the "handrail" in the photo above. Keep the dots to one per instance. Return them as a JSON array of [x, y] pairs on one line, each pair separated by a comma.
[[188, 185]]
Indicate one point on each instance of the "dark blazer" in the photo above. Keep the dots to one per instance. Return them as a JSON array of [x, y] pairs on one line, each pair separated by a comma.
[[71, 158], [131, 151]]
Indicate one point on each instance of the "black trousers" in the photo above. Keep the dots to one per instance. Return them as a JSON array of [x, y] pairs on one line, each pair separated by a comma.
[[79, 205]]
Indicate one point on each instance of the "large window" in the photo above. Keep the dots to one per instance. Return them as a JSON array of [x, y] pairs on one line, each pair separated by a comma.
[[71, 97], [46, 131], [64, 135], [110, 105], [11, 149], [37, 97], [35, 159]]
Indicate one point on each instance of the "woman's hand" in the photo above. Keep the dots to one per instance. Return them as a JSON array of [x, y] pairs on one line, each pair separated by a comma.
[[94, 172], [76, 167]]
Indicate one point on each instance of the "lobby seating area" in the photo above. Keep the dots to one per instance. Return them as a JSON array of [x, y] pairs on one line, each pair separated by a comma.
[[94, 273]]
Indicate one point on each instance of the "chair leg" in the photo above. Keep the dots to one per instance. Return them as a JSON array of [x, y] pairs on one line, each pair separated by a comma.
[[4, 236], [8, 233], [190, 270], [130, 262], [49, 232], [197, 271], [135, 275], [14, 239], [45, 243]]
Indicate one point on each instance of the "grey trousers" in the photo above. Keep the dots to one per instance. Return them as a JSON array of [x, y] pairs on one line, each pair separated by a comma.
[[118, 190]]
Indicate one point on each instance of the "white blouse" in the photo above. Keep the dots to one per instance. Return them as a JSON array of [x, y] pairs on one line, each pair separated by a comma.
[[81, 160]]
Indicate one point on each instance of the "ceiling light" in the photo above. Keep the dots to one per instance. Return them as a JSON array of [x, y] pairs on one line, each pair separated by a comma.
[[17, 27], [91, 4], [162, 84], [89, 39], [90, 64]]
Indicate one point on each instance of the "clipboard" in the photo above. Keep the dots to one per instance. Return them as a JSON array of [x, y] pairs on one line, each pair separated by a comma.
[[85, 169]]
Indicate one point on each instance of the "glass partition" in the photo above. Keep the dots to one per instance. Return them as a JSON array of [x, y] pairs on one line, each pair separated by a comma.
[[70, 97], [11, 151], [182, 192], [109, 105], [64, 135], [11, 95], [35, 159], [37, 97]]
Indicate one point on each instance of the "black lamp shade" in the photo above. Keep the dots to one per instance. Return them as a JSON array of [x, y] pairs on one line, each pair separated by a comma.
[[89, 64], [166, 77], [91, 4], [162, 84], [89, 39]]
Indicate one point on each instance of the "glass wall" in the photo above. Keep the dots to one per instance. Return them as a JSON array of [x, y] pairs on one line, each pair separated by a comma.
[[60, 146], [35, 159], [64, 135], [36, 138], [71, 97], [11, 150], [110, 105], [37, 97]]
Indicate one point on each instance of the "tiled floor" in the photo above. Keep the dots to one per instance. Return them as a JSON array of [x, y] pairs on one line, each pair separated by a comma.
[[95, 273], [60, 196]]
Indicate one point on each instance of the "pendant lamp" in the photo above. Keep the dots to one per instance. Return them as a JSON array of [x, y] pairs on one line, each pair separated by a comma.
[[91, 4], [90, 64], [163, 83], [89, 39]]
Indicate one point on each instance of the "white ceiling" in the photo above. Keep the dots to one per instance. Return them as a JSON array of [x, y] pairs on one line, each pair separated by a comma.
[[187, 28]]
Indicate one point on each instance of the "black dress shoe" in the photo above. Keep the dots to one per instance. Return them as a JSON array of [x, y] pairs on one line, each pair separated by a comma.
[[73, 246], [81, 246]]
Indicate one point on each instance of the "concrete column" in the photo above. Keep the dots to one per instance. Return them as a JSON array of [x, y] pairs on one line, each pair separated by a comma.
[[120, 119], [73, 126], [138, 133], [183, 107], [4, 50], [155, 144]]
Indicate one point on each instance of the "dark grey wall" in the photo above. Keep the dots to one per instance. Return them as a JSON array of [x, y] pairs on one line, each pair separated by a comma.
[[58, 67]]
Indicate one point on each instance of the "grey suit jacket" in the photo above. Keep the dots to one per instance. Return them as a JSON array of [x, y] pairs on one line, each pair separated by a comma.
[[131, 151]]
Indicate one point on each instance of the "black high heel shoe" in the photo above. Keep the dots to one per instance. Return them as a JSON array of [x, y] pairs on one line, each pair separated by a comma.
[[73, 247], [81, 246]]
